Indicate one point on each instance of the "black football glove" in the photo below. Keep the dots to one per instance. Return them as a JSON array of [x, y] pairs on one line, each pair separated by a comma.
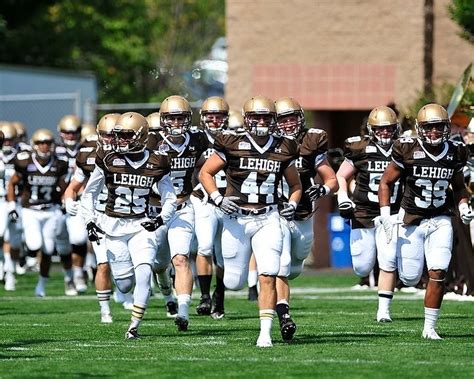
[[93, 232], [346, 209], [153, 224], [288, 211], [316, 191], [13, 216]]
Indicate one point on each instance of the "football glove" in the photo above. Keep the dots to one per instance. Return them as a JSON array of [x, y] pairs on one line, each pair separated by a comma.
[[226, 204], [466, 213], [387, 225], [288, 211], [316, 191], [153, 224], [93, 232], [346, 209], [72, 207], [13, 216]]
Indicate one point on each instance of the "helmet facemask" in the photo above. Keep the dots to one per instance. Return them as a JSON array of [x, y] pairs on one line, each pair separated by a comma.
[[434, 133], [214, 122], [291, 124], [260, 124], [176, 124], [126, 141], [383, 134]]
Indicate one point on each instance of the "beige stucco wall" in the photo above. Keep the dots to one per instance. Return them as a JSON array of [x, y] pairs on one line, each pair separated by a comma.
[[312, 32]]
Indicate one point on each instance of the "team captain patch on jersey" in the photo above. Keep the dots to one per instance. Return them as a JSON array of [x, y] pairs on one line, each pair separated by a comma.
[[183, 158], [427, 177], [370, 160], [40, 182], [253, 171], [129, 183]]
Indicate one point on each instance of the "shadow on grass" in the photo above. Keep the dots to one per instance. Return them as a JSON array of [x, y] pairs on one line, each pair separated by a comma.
[[322, 338]]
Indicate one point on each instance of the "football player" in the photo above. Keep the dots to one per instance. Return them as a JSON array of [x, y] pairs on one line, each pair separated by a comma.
[[85, 164], [429, 165], [254, 163], [366, 159], [75, 234], [130, 171], [298, 232], [162, 274], [208, 219], [184, 149], [235, 122], [42, 173]]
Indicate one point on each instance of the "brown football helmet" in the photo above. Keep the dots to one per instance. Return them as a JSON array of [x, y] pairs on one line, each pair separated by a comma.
[[130, 133], [288, 125], [69, 129], [42, 141], [433, 125], [175, 115], [383, 125], [214, 114], [259, 115]]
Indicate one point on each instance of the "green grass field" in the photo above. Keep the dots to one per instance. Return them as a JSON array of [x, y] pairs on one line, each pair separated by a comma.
[[337, 336]]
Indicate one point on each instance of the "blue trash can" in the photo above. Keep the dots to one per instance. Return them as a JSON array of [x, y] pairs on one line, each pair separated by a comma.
[[339, 234]]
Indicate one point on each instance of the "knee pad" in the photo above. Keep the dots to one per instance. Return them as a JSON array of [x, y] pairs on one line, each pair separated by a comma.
[[125, 284], [409, 280], [361, 269], [234, 279]]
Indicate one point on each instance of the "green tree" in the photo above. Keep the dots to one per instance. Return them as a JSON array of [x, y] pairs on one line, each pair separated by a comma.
[[136, 48], [462, 11]]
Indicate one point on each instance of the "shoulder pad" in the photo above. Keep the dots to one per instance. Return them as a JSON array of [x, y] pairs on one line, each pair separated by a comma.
[[457, 143], [160, 153], [354, 139], [23, 155], [228, 132], [316, 130], [60, 150], [92, 138], [86, 149]]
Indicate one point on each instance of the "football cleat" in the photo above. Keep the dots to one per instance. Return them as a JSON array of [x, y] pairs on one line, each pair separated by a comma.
[[106, 318], [70, 289], [430, 334], [287, 327], [383, 317], [10, 282], [217, 311], [204, 307], [80, 284], [171, 309], [20, 270], [181, 323], [253, 294], [217, 314], [132, 334], [264, 341]]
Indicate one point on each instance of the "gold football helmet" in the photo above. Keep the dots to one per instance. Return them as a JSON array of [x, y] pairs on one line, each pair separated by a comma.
[[214, 114], [383, 125], [154, 121], [236, 122], [69, 129], [87, 130], [42, 141], [290, 117], [176, 115], [20, 131], [105, 128], [130, 133], [259, 115], [9, 136], [433, 125]]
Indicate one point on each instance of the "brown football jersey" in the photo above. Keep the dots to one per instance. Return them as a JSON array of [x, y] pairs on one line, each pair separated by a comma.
[[254, 170], [69, 155], [220, 178], [130, 183], [427, 177], [40, 182], [370, 160], [183, 158]]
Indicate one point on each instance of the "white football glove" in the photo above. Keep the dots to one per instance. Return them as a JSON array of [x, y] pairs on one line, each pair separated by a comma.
[[226, 204], [386, 222], [466, 213], [72, 207]]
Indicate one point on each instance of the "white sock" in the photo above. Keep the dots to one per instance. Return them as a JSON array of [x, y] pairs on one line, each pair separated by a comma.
[[431, 317], [385, 300], [42, 281], [183, 305], [77, 272], [8, 265], [252, 278], [266, 321]]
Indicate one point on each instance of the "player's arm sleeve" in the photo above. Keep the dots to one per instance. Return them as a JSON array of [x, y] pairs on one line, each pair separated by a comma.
[[79, 175], [89, 196], [168, 198]]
